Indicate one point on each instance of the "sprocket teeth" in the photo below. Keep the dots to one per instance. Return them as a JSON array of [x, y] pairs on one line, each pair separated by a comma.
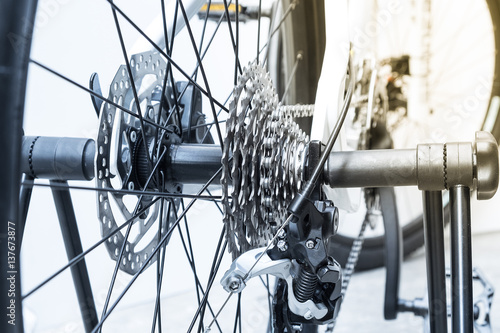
[[263, 140]]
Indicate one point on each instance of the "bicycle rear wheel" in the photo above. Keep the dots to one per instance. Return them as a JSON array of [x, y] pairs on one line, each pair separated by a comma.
[[165, 298]]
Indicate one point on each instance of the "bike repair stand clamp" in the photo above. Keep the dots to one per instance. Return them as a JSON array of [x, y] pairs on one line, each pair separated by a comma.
[[456, 167]]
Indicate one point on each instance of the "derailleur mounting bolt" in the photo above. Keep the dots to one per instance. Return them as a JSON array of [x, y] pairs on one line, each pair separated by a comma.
[[282, 233], [133, 136], [310, 244], [282, 245]]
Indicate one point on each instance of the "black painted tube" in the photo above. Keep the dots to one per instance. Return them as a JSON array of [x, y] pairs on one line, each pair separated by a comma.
[[434, 251], [462, 306]]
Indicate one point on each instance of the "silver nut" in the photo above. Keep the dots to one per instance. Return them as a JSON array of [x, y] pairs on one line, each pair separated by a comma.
[[234, 284], [282, 233], [133, 136], [282, 245], [310, 244]]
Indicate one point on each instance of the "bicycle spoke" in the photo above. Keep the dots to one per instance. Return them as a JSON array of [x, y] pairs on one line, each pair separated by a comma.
[[169, 65], [190, 256], [117, 267], [133, 114], [290, 8], [219, 254], [271, 242], [209, 3], [82, 255], [210, 97], [208, 124], [237, 317], [165, 79], [258, 30], [77, 259], [216, 119], [220, 311], [125, 241], [133, 192], [209, 43], [165, 55], [292, 76], [237, 44], [230, 28], [266, 285], [154, 252], [216, 203], [202, 57], [160, 268], [132, 83], [269, 300]]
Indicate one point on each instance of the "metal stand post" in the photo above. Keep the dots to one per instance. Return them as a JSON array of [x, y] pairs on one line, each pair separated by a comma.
[[24, 203], [462, 320], [73, 244], [434, 251]]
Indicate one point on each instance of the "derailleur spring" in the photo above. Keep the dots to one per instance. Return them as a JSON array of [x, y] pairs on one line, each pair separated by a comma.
[[305, 284]]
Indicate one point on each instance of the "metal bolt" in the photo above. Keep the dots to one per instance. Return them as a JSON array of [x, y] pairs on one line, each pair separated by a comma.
[[282, 233], [282, 245], [234, 284], [133, 136], [310, 244], [297, 327]]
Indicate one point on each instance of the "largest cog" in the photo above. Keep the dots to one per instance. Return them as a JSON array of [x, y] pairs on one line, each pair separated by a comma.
[[262, 161]]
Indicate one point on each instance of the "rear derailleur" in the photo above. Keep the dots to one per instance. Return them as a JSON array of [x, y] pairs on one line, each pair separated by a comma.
[[310, 280]]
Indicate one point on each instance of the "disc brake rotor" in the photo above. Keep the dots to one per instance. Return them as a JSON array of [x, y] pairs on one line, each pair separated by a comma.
[[121, 174]]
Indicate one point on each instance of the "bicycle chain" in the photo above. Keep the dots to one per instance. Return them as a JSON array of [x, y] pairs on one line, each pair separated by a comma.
[[262, 161], [372, 204]]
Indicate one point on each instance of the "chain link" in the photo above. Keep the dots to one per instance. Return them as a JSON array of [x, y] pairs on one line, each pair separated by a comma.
[[372, 213]]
